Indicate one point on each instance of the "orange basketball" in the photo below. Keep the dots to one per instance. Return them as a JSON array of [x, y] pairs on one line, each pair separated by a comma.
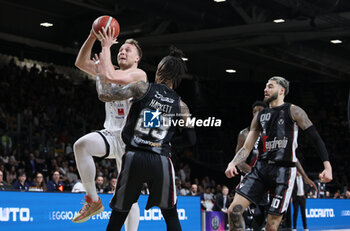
[[105, 21]]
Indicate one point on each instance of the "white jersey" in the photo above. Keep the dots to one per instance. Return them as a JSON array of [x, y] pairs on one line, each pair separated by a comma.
[[116, 113]]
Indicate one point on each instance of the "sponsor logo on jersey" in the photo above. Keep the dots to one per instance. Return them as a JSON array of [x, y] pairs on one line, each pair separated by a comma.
[[121, 111], [139, 140], [151, 119], [163, 98], [274, 144]]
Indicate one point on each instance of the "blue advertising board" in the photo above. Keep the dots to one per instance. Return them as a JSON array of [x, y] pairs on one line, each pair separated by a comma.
[[324, 214], [38, 210]]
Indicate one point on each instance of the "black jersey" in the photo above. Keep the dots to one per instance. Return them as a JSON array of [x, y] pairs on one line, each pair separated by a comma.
[[279, 134], [150, 124]]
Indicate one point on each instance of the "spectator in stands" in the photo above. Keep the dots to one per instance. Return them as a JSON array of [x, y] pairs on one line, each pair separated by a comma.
[[347, 194], [337, 194], [207, 199], [111, 186], [6, 141], [38, 184], [55, 184], [5, 157], [11, 175], [31, 165], [71, 175], [178, 186], [185, 190], [193, 190], [222, 201], [321, 189], [145, 190], [21, 184], [100, 184], [78, 187], [4, 186], [3, 169]]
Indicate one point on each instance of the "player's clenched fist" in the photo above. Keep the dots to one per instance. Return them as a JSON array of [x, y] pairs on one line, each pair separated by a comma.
[[231, 170]]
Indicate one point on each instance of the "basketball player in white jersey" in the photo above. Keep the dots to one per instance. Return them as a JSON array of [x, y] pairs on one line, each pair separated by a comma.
[[107, 142]]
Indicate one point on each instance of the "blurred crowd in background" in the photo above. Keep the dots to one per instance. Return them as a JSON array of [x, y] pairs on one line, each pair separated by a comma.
[[42, 114]]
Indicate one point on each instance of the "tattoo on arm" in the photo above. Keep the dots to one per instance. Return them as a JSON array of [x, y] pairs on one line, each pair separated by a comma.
[[241, 156], [242, 136], [300, 116], [107, 92], [184, 111], [244, 167]]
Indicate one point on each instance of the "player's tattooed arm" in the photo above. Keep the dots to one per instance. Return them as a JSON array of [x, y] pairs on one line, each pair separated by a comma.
[[300, 117], [243, 153], [107, 92], [185, 112], [244, 167], [242, 136], [241, 156]]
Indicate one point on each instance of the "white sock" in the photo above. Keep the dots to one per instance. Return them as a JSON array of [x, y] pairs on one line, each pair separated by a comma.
[[85, 148], [133, 219]]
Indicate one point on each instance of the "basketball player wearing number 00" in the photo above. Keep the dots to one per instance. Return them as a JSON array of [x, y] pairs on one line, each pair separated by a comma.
[[275, 169], [107, 142]]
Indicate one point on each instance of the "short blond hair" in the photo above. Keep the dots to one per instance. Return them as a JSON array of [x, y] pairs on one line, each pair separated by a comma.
[[136, 44]]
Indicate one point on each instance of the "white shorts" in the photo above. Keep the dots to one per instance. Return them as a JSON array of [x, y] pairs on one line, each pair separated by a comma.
[[115, 147]]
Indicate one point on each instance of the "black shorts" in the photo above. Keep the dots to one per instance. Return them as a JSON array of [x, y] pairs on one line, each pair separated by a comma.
[[145, 167], [266, 177]]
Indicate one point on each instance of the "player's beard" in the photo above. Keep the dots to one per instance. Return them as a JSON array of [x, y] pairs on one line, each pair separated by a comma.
[[271, 98]]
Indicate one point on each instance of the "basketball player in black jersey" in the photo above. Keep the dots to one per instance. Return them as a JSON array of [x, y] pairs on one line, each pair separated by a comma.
[[147, 135], [245, 167], [275, 169], [257, 211]]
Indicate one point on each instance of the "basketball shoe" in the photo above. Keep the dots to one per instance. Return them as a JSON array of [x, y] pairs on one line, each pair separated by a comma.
[[89, 209]]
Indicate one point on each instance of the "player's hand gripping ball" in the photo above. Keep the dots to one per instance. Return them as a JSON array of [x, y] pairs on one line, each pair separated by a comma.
[[105, 21]]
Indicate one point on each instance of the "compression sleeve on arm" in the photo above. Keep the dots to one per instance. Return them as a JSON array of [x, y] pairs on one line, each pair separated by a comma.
[[187, 138], [316, 138]]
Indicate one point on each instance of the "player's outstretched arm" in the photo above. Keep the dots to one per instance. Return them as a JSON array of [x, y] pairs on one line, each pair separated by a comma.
[[107, 93], [83, 60], [243, 153], [303, 121]]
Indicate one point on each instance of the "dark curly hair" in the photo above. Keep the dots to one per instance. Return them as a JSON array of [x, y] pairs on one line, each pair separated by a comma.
[[172, 67]]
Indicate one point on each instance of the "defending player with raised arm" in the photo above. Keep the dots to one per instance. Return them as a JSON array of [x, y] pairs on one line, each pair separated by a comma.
[[147, 157], [106, 143], [275, 169]]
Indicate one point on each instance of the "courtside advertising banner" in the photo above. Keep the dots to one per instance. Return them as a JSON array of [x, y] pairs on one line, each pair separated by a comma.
[[324, 214], [54, 211]]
